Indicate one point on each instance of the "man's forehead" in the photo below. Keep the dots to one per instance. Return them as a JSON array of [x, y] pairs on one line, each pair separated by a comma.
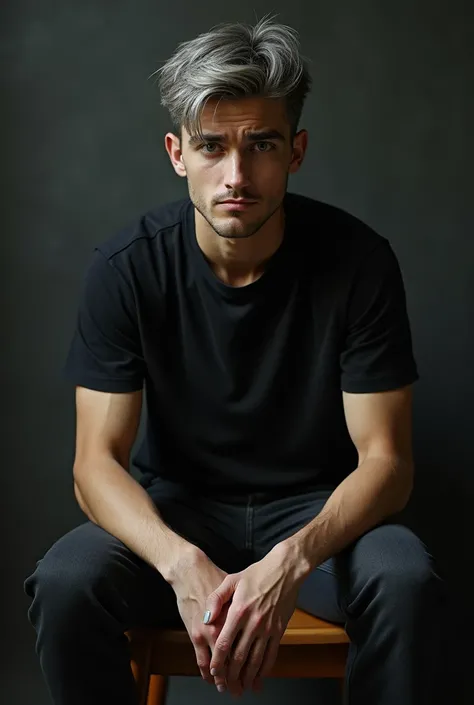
[[247, 115]]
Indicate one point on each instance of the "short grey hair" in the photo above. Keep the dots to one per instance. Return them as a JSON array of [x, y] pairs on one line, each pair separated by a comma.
[[234, 60]]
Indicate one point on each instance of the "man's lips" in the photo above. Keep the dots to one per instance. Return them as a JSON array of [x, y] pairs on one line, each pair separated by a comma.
[[238, 200], [238, 204]]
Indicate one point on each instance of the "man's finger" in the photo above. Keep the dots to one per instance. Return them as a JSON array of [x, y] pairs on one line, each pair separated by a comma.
[[254, 662], [237, 660], [225, 640], [220, 681], [203, 660], [269, 657], [214, 631]]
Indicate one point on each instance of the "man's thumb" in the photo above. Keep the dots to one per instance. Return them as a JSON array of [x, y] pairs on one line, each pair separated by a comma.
[[217, 599]]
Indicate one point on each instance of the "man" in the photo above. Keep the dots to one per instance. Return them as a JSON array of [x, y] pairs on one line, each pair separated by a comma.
[[271, 336]]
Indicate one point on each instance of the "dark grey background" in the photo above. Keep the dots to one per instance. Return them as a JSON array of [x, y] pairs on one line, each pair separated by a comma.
[[390, 120]]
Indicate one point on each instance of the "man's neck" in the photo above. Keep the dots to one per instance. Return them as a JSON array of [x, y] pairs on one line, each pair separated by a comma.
[[241, 261]]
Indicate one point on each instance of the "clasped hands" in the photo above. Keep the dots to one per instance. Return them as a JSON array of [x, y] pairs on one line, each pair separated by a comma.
[[263, 598]]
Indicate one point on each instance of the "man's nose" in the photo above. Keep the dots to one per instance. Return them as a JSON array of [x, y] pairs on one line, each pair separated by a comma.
[[236, 176]]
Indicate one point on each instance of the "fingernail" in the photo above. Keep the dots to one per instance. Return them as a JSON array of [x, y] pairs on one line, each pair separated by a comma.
[[207, 617], [213, 671], [221, 688]]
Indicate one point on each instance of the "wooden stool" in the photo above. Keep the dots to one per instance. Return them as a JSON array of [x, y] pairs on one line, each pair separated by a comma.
[[309, 648]]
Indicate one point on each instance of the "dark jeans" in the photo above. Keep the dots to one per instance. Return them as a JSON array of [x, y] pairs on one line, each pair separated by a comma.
[[89, 589]]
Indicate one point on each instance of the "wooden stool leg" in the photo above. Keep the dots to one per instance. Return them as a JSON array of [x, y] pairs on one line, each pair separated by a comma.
[[158, 690], [140, 663]]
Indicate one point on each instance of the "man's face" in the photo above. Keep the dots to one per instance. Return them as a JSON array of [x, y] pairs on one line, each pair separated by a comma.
[[247, 154]]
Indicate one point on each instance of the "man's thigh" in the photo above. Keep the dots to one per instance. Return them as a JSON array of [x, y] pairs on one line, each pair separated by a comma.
[[331, 590], [88, 568], [88, 559], [388, 559]]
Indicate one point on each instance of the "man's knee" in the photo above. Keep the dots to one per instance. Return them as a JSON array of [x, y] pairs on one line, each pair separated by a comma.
[[405, 565], [66, 579], [392, 566]]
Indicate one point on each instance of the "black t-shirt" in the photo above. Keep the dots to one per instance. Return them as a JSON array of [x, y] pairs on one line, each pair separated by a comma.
[[243, 384]]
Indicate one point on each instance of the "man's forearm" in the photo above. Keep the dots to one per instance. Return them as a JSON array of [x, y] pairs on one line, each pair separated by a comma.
[[112, 499], [378, 488]]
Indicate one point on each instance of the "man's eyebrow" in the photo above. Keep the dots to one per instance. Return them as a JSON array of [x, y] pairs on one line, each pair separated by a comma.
[[257, 136], [206, 137], [265, 135]]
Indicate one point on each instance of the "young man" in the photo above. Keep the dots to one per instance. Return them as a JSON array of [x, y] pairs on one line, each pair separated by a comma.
[[271, 336]]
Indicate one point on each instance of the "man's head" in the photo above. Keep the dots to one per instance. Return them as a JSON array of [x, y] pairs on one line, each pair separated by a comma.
[[235, 96]]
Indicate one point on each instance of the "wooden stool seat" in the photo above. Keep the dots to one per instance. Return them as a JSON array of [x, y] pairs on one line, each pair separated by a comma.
[[309, 648]]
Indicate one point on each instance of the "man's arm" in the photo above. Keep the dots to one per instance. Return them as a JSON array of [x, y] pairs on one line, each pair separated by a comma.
[[107, 425], [380, 426]]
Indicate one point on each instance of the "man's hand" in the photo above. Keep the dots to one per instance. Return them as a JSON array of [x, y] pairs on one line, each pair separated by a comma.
[[198, 576], [263, 599]]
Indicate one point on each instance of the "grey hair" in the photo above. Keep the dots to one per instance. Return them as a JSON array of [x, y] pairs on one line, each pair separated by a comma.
[[234, 60]]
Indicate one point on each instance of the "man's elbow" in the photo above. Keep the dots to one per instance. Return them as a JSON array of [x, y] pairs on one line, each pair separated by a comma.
[[81, 502]]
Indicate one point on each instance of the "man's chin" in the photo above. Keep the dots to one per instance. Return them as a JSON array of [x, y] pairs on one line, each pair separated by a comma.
[[233, 228]]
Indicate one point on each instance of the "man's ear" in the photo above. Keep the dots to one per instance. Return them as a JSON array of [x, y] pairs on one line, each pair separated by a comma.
[[173, 147], [300, 144]]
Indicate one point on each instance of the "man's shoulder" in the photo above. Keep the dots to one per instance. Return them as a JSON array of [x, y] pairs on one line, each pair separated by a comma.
[[139, 234], [330, 226]]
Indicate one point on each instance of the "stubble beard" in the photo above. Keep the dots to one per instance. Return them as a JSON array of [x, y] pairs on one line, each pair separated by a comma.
[[229, 233]]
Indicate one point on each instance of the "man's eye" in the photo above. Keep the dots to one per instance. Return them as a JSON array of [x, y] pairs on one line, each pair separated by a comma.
[[267, 146], [205, 147]]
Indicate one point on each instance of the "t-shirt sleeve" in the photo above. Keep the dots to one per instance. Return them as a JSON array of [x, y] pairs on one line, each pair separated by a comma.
[[105, 352], [377, 353]]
